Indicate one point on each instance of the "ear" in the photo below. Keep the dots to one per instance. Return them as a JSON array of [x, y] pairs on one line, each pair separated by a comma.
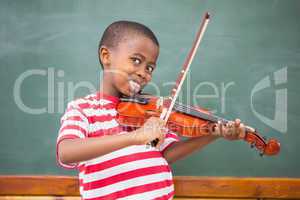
[[104, 56]]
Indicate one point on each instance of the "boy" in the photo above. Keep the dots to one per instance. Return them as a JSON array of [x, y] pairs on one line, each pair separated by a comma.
[[113, 163]]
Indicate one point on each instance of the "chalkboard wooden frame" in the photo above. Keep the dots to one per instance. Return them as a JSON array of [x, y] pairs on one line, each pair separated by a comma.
[[185, 186]]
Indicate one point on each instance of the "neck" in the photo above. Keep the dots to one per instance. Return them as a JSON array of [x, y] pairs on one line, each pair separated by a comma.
[[106, 87]]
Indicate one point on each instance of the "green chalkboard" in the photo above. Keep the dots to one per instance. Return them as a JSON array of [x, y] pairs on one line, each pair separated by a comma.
[[248, 66]]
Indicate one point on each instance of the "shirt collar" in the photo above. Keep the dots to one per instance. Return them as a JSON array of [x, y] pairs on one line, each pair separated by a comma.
[[111, 98]]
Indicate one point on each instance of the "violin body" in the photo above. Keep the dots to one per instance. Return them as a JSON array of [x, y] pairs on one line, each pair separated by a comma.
[[134, 113], [184, 120]]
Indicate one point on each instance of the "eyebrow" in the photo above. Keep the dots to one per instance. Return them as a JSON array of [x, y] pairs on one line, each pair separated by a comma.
[[143, 57]]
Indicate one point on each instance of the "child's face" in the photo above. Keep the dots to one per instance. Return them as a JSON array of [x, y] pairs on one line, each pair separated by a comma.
[[130, 65]]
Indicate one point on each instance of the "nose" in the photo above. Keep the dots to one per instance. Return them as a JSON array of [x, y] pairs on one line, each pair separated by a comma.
[[141, 72]]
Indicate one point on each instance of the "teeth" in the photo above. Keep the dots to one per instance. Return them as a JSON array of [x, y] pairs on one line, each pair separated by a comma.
[[134, 86]]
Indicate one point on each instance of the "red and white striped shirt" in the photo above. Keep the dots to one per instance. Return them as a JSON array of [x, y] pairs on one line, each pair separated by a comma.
[[134, 172]]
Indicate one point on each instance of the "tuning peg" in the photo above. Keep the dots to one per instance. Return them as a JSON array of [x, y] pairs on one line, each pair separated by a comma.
[[261, 154], [252, 144]]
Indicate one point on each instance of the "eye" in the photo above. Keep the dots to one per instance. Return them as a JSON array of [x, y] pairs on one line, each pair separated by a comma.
[[136, 61], [150, 68]]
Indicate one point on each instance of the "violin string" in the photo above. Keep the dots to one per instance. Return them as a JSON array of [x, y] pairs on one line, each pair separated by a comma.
[[184, 107], [214, 117], [188, 107], [195, 112]]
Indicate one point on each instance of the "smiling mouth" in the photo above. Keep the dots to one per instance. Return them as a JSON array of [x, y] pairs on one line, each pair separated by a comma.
[[134, 86]]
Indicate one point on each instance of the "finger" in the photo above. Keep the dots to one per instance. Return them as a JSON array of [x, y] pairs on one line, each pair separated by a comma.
[[151, 119], [225, 131], [210, 127], [160, 142], [160, 121], [237, 122], [164, 131], [230, 127], [216, 129], [233, 128], [242, 131], [220, 127], [160, 135], [163, 122]]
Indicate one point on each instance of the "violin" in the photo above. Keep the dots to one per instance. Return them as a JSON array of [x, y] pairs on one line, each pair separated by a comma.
[[184, 120]]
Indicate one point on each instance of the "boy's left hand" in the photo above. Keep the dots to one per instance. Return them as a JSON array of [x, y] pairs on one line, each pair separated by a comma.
[[233, 130]]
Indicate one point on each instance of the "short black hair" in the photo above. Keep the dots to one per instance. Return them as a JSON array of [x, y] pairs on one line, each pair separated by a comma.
[[118, 30]]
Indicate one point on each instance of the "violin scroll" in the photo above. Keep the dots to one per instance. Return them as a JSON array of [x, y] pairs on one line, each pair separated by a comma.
[[269, 148]]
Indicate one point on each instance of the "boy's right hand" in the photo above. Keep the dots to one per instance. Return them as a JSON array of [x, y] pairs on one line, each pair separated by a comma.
[[152, 129]]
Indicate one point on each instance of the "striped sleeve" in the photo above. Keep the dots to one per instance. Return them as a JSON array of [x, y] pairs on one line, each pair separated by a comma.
[[74, 124], [170, 139]]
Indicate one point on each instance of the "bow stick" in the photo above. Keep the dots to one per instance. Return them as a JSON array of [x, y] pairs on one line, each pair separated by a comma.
[[168, 106]]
